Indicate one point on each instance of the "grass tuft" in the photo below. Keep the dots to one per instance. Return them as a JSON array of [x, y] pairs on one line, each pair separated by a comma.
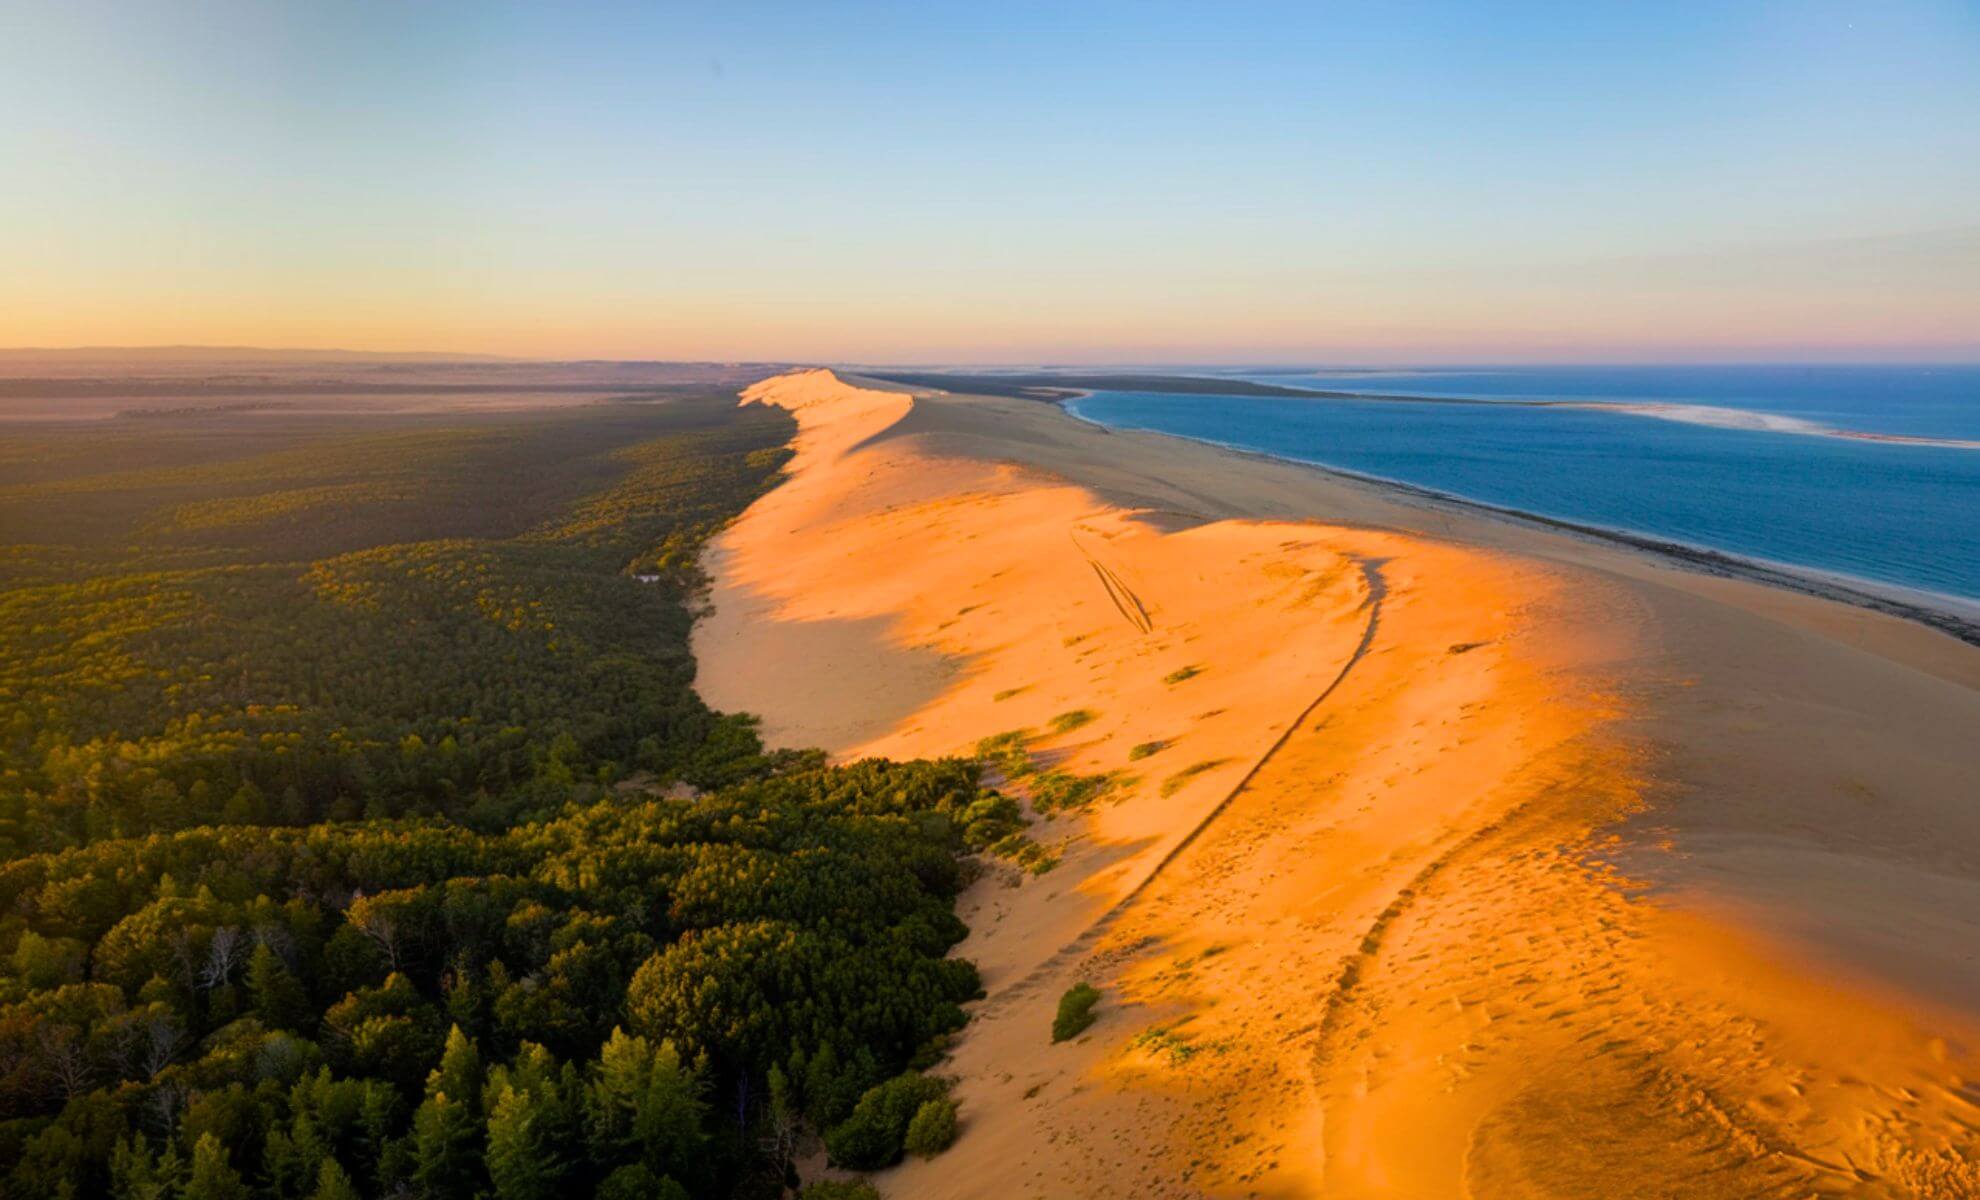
[[1163, 1041], [1176, 782], [1066, 722]]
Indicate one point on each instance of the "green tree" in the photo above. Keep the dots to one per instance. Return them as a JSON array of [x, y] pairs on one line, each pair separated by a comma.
[[873, 1136], [830, 1089], [644, 1105], [520, 1162], [459, 1073], [523, 1163], [635, 1182], [136, 1173], [332, 1183], [212, 1177], [389, 1032], [41, 962], [933, 1128], [446, 1149], [290, 1164], [527, 1120], [447, 1126], [247, 806], [277, 996]]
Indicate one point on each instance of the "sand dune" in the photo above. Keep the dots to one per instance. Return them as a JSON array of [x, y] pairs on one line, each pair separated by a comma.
[[1472, 860]]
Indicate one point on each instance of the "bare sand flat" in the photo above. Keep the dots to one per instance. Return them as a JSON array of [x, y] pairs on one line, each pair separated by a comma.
[[1471, 859]]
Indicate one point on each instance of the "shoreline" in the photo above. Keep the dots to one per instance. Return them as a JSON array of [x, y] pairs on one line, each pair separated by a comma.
[[1951, 615], [1061, 389]]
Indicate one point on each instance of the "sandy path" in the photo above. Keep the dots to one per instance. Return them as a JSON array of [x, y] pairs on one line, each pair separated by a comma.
[[1479, 893]]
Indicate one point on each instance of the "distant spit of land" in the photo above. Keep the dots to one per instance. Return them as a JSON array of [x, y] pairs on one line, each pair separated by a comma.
[[1052, 385]]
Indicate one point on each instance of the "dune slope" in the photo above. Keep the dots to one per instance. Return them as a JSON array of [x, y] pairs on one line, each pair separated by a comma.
[[1381, 882]]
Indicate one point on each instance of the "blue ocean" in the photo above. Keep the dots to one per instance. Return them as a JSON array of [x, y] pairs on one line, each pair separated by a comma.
[[1870, 472]]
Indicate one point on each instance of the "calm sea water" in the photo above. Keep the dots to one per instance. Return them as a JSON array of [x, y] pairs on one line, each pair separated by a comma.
[[1892, 512]]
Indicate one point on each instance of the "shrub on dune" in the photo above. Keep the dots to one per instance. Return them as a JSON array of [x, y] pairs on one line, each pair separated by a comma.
[[933, 1128], [1075, 1011], [876, 1132]]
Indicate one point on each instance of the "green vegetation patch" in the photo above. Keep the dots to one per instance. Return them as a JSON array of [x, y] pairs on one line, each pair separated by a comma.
[[1141, 750], [1061, 791], [1076, 718], [1176, 782], [1181, 674], [933, 1128], [875, 1134], [1006, 753], [993, 824], [1163, 1041], [1075, 1013], [1049, 789], [1025, 853]]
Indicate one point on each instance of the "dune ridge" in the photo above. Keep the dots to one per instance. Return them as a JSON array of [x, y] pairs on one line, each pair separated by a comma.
[[1408, 901]]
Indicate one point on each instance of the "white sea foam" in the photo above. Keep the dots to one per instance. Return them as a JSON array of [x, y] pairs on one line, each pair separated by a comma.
[[1719, 418], [1762, 422]]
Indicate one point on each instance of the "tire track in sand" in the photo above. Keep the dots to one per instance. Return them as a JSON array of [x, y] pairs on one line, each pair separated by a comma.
[[1129, 605], [1377, 591]]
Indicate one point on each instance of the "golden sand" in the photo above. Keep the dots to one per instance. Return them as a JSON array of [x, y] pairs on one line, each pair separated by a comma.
[[1377, 919]]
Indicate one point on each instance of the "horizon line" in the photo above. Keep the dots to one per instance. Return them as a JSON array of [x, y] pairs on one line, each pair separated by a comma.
[[302, 353]]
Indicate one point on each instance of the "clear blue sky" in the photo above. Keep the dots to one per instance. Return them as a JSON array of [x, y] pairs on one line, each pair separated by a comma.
[[979, 182]]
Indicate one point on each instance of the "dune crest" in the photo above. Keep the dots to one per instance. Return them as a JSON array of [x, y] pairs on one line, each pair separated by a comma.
[[1347, 885]]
